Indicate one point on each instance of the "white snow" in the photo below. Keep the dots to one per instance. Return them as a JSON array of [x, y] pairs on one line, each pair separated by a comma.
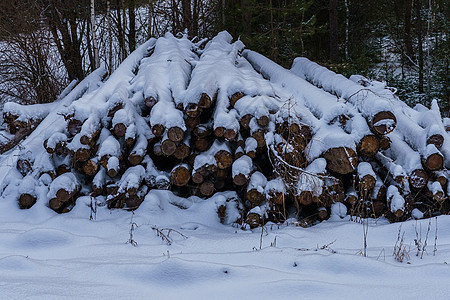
[[275, 185], [327, 137], [132, 178], [258, 182], [242, 165], [395, 199], [51, 256], [113, 163], [339, 210], [110, 146], [368, 103], [364, 168], [66, 181]]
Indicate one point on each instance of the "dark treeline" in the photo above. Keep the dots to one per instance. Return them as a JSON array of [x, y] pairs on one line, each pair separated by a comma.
[[404, 42]]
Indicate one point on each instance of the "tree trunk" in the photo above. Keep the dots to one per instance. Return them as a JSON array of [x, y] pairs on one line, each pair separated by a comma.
[[334, 45], [63, 26], [121, 30], [96, 62], [408, 42], [347, 27], [132, 31], [419, 42], [108, 21], [187, 16], [150, 19]]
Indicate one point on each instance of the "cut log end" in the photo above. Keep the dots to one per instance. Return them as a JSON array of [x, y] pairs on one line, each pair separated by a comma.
[[133, 202], [259, 136], [342, 160], [245, 121], [418, 178], [150, 102], [255, 197], [207, 188], [230, 134], [253, 220], [120, 129], [263, 121], [434, 162], [436, 139], [322, 213], [205, 101], [305, 198], [168, 147], [90, 167], [197, 178], [235, 97], [201, 144], [224, 159], [369, 145], [385, 143], [182, 152], [180, 176], [384, 122], [26, 201], [219, 132], [82, 154], [175, 134], [158, 129], [240, 179], [74, 126], [192, 110], [192, 122], [135, 159]]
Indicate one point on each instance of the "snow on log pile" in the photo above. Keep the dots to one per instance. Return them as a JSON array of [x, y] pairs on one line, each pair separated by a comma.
[[201, 120]]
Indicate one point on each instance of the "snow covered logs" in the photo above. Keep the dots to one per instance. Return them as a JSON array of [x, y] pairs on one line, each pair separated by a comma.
[[406, 157], [170, 119]]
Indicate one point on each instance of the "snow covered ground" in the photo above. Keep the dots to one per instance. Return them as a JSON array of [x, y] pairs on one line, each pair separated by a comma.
[[44, 255]]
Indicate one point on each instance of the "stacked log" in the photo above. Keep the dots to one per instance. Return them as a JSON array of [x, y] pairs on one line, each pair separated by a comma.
[[21, 120], [206, 121]]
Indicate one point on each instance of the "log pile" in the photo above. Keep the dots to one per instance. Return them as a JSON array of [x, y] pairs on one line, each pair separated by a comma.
[[198, 121]]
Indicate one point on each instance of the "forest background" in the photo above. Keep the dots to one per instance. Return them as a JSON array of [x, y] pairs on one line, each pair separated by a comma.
[[45, 44]]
